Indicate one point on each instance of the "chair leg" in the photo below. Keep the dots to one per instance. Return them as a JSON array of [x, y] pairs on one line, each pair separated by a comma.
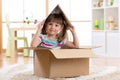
[[8, 49], [25, 51]]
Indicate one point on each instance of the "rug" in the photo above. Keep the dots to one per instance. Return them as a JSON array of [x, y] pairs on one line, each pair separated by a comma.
[[25, 72]]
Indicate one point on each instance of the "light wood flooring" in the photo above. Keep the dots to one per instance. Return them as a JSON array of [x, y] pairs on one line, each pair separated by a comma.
[[99, 60]]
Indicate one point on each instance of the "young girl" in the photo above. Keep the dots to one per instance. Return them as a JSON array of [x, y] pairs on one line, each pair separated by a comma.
[[53, 33]]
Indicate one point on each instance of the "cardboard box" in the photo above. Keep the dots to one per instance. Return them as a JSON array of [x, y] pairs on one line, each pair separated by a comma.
[[62, 62]]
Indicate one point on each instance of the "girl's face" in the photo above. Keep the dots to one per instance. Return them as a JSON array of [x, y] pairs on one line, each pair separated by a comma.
[[53, 28]]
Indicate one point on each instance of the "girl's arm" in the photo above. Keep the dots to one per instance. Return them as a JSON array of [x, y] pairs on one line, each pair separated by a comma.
[[36, 41], [75, 43]]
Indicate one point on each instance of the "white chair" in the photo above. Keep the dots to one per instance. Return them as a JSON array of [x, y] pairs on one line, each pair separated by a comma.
[[8, 49]]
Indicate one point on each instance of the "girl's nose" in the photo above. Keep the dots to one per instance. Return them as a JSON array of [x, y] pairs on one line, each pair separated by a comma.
[[53, 26]]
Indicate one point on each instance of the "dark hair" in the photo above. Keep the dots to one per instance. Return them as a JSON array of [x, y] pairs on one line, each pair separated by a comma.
[[58, 18]]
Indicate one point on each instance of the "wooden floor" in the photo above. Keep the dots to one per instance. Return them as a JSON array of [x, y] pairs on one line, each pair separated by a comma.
[[9, 61], [99, 60], [105, 61]]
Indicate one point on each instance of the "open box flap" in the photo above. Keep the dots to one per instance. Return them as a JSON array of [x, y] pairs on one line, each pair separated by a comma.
[[83, 52], [72, 53]]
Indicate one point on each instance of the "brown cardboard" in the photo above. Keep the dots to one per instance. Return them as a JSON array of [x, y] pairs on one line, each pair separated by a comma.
[[62, 62], [58, 9]]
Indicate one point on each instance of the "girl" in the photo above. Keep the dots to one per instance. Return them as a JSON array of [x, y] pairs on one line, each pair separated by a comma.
[[53, 33]]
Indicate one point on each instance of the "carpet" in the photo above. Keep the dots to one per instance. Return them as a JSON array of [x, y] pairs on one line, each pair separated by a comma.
[[25, 72]]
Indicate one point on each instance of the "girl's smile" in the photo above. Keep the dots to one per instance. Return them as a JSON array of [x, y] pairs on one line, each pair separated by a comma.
[[53, 28]]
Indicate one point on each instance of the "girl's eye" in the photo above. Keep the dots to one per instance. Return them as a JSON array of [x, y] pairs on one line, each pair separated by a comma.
[[56, 25], [50, 24]]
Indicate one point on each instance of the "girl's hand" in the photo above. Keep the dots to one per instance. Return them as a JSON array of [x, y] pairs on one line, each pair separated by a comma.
[[40, 25], [71, 28]]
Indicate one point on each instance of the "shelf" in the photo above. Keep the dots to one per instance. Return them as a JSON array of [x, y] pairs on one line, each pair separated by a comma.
[[112, 31], [96, 8], [98, 30], [110, 15], [109, 36], [112, 6]]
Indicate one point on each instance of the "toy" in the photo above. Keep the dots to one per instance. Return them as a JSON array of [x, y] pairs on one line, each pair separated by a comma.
[[101, 24], [99, 3], [111, 23], [35, 21], [96, 24], [110, 2], [26, 20]]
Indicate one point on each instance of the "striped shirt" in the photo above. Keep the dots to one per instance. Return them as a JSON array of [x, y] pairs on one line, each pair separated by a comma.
[[46, 42]]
